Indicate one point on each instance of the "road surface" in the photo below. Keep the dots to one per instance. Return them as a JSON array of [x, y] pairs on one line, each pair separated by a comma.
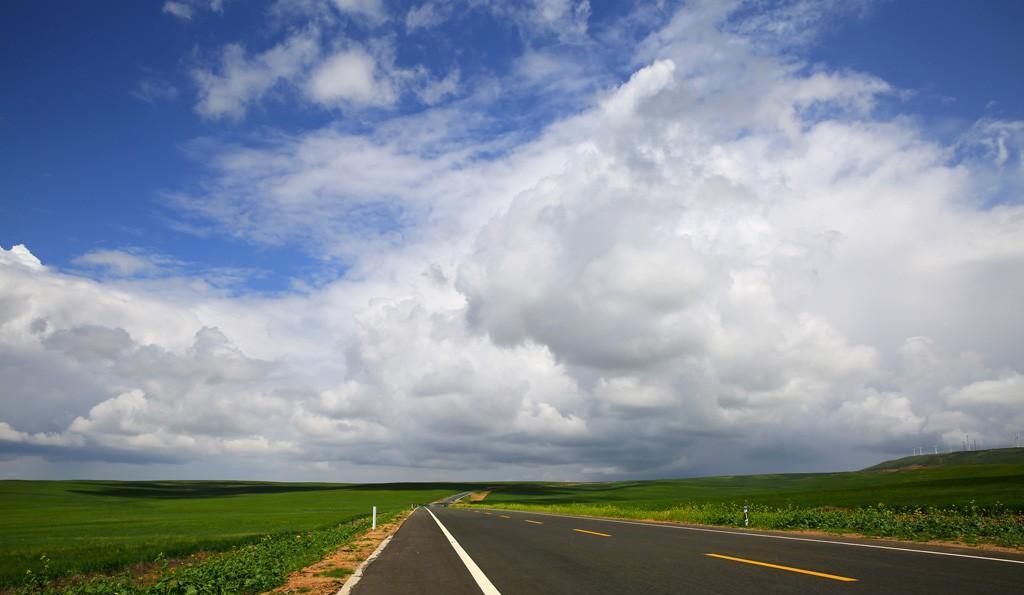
[[533, 554]]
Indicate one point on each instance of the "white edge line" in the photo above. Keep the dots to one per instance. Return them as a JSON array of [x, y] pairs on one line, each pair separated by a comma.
[[765, 535], [350, 584], [478, 575]]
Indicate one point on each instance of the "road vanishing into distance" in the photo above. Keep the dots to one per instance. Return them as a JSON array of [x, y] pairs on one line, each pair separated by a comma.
[[470, 551]]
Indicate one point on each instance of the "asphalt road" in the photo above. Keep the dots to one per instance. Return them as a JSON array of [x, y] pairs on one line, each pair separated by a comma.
[[533, 554]]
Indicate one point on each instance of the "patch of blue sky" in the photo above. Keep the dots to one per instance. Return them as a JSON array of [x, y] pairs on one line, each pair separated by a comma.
[[954, 58], [474, 39]]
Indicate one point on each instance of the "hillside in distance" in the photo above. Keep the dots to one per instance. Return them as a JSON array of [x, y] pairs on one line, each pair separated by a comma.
[[992, 456]]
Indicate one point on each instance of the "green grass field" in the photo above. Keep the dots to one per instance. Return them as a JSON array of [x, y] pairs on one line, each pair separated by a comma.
[[86, 526], [972, 496]]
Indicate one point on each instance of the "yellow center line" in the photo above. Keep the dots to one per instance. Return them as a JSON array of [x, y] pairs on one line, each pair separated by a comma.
[[591, 532], [834, 577], [487, 513], [504, 516], [534, 522]]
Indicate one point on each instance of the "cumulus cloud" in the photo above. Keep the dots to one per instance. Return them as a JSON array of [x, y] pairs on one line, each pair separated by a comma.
[[350, 76], [20, 256], [241, 80], [356, 76], [728, 263], [142, 395], [368, 76], [645, 83]]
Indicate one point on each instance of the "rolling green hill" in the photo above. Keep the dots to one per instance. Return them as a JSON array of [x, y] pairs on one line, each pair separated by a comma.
[[994, 456]]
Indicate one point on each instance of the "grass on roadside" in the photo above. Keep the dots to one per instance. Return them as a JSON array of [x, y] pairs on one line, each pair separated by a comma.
[[106, 527], [252, 568]]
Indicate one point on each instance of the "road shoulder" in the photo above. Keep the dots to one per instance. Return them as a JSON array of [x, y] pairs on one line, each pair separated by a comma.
[[328, 575]]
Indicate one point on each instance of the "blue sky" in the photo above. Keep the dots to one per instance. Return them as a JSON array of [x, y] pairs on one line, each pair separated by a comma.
[[957, 58], [87, 161], [366, 239]]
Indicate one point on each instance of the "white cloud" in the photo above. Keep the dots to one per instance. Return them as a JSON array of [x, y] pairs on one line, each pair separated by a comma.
[[426, 15], [178, 9], [242, 80], [350, 76], [186, 9], [794, 22], [644, 83], [356, 77], [20, 256], [436, 91], [370, 9], [153, 91], [368, 76], [120, 263], [1007, 391], [566, 19]]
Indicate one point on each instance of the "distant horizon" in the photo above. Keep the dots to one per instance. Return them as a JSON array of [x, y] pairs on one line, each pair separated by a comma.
[[500, 481]]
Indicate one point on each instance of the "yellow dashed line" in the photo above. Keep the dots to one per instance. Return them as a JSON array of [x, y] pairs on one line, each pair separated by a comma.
[[591, 532], [834, 577], [504, 516]]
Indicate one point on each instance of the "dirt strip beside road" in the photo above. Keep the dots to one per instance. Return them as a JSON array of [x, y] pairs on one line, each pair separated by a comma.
[[327, 576]]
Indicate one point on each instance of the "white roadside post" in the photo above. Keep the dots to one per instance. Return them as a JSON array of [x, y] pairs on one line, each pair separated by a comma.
[[374, 518], [746, 516]]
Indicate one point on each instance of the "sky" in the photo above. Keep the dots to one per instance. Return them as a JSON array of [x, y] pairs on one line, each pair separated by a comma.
[[371, 240]]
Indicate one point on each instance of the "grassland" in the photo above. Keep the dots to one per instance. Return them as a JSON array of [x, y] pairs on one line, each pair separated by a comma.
[[973, 497], [262, 531], [100, 526]]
